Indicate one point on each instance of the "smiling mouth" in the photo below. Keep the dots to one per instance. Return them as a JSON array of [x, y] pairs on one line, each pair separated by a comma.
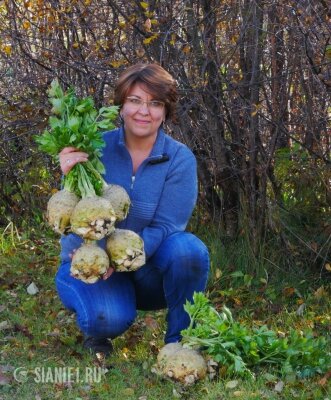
[[140, 121]]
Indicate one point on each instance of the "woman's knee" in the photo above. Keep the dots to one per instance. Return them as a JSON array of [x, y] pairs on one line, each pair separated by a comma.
[[100, 323], [104, 309], [183, 250]]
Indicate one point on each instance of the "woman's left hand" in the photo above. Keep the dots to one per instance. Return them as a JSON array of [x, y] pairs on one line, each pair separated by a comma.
[[107, 274]]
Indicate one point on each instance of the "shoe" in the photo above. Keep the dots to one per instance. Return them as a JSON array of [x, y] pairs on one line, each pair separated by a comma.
[[98, 345]]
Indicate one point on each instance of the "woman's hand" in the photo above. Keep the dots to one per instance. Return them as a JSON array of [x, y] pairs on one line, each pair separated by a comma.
[[69, 157], [107, 274]]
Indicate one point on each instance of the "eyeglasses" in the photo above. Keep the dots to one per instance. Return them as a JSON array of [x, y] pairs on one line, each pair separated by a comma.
[[152, 105]]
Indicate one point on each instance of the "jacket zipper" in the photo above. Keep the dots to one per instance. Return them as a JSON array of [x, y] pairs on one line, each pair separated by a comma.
[[133, 177]]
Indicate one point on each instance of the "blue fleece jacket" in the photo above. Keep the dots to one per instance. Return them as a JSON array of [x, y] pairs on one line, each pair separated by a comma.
[[163, 191]]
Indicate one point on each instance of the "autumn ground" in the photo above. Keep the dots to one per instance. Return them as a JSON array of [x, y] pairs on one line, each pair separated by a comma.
[[40, 341]]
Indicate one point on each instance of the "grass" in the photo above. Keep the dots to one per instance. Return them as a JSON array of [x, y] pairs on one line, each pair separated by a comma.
[[37, 332]]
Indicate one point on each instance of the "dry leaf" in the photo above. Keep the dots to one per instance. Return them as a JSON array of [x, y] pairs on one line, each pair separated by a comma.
[[238, 393], [128, 392], [4, 325], [218, 273], [151, 323], [325, 379], [24, 330], [148, 25], [144, 5], [288, 291], [231, 384], [320, 293], [176, 394], [269, 377], [279, 387], [301, 310], [32, 289], [4, 379]]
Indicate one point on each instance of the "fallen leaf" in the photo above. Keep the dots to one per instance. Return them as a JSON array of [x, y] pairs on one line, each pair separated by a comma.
[[24, 330], [231, 384], [176, 394], [32, 289], [238, 393], [288, 291], [4, 379], [327, 266], [291, 377], [314, 246], [325, 379], [56, 332], [269, 377], [148, 25], [301, 310], [6, 368], [128, 392], [218, 273], [279, 387], [151, 323], [320, 293], [237, 301], [4, 325]]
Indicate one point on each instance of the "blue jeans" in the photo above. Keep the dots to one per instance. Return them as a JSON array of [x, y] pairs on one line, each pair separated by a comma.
[[107, 308]]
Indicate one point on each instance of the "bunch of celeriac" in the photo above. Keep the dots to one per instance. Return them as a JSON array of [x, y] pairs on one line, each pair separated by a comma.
[[87, 205]]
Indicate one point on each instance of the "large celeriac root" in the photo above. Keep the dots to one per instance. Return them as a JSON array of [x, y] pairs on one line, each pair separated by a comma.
[[93, 218], [181, 364], [119, 199], [89, 263], [59, 209], [125, 249]]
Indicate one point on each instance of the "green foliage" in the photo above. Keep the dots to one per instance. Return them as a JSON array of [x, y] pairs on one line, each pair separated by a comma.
[[78, 124], [239, 348], [304, 181], [303, 217]]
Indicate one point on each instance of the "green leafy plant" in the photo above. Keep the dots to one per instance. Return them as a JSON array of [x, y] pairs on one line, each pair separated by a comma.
[[239, 348], [76, 122]]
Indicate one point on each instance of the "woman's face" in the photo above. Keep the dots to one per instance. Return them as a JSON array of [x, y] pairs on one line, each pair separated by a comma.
[[142, 116]]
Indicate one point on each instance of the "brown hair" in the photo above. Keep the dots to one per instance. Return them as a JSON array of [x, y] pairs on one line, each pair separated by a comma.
[[157, 81]]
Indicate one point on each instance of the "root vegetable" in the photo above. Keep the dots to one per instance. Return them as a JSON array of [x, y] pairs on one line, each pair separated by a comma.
[[89, 263], [119, 199], [93, 218], [125, 248], [59, 210], [181, 364]]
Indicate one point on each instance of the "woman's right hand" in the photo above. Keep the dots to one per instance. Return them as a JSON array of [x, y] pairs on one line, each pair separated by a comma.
[[70, 156]]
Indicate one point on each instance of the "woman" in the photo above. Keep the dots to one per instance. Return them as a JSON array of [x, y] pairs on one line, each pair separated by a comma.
[[160, 177]]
